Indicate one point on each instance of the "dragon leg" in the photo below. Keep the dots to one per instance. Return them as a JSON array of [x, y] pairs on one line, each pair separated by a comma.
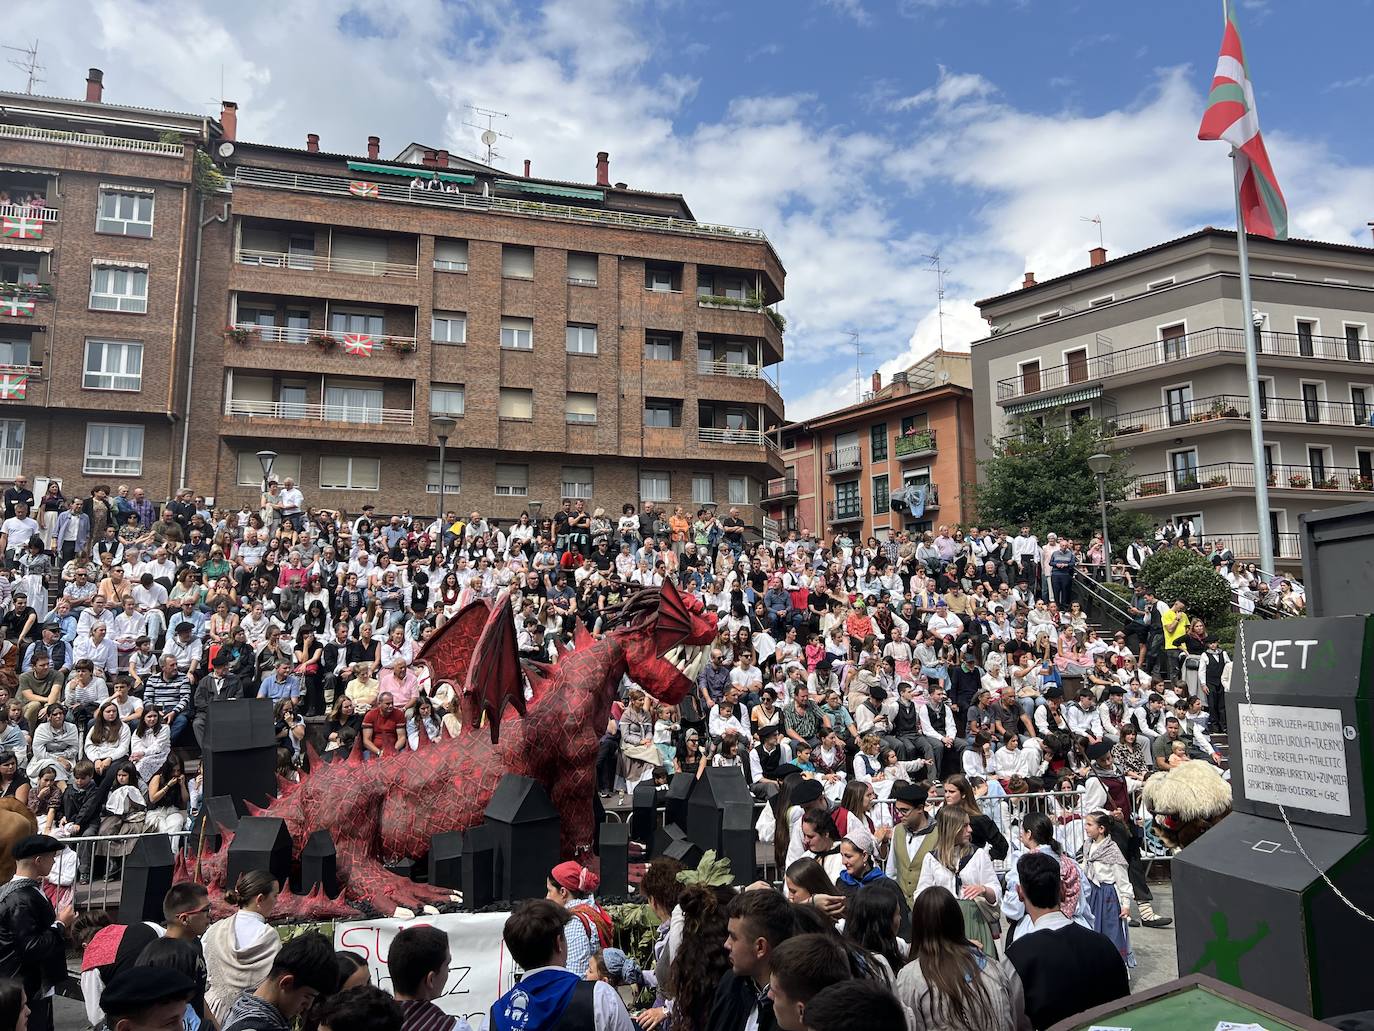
[[371, 884]]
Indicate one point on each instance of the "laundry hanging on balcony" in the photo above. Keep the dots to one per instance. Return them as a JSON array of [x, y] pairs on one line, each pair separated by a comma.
[[21, 228]]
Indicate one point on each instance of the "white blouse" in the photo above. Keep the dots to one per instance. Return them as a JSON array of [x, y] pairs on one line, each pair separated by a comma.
[[107, 750], [977, 870]]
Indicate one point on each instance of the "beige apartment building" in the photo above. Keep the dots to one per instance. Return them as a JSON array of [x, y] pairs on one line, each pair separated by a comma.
[[1153, 344]]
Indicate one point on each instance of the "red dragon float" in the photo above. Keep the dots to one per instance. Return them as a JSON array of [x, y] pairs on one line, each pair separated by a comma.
[[385, 810]]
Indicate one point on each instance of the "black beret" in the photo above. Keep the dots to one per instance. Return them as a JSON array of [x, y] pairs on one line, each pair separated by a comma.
[[1115, 689], [1098, 750], [807, 791], [36, 845], [137, 987], [772, 730], [912, 794], [185, 625], [1054, 691]]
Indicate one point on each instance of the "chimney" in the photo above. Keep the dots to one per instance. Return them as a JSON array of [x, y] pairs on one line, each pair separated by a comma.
[[877, 381], [899, 379], [527, 168], [431, 159], [374, 147], [1029, 281], [603, 168], [443, 159], [1097, 256], [621, 186], [95, 85], [312, 142], [229, 119]]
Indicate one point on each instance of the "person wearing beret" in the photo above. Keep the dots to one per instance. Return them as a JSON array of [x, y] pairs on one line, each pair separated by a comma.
[[33, 938], [145, 997], [571, 886], [913, 836]]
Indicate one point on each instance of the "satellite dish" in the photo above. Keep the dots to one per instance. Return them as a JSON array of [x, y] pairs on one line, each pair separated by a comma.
[[943, 377], [488, 138], [226, 149]]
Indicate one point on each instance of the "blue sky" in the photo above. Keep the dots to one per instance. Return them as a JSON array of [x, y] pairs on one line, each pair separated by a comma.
[[861, 135]]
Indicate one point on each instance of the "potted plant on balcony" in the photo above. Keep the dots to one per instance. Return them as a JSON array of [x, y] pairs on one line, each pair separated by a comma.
[[401, 345], [1365, 483], [1329, 483], [1150, 488], [1217, 480], [243, 335], [324, 341], [1232, 412], [1298, 480], [1186, 482], [1273, 479]]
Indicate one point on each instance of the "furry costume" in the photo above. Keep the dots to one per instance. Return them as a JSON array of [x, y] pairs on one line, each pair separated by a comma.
[[1187, 801]]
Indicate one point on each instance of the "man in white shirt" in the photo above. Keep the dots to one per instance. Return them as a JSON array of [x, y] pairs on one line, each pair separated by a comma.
[[941, 733], [1084, 719], [15, 533], [1025, 549], [159, 565], [292, 501], [184, 646], [746, 678], [944, 623], [96, 612], [99, 649]]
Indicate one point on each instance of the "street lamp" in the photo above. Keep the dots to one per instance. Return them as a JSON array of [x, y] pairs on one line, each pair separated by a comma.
[[443, 427], [1100, 464], [266, 459]]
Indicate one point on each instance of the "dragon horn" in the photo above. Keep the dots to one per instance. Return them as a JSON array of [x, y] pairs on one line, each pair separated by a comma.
[[312, 756]]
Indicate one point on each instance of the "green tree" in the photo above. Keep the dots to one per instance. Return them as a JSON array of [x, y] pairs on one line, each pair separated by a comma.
[[1045, 481], [1165, 562]]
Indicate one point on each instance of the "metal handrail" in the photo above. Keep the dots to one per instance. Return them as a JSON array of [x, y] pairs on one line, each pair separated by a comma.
[[844, 458], [325, 263], [1237, 406], [277, 179], [1217, 475], [27, 211], [918, 443], [1246, 545], [241, 407], [780, 487], [1102, 596], [82, 139], [844, 514], [721, 435], [293, 335], [1218, 339]]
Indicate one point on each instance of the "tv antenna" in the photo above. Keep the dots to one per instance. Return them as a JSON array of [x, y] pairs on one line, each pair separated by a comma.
[[939, 271], [28, 64], [1097, 221], [490, 134], [860, 352]]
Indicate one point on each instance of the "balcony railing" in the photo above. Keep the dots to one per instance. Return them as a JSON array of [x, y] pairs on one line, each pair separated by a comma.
[[1237, 406], [323, 263], [844, 459], [782, 487], [29, 212], [748, 438], [1246, 545], [361, 345], [844, 512], [239, 408], [11, 462], [739, 370], [915, 444], [1221, 475], [82, 139], [1161, 353], [339, 186]]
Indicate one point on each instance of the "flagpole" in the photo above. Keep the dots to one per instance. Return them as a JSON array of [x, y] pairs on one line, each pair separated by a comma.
[[1266, 542]]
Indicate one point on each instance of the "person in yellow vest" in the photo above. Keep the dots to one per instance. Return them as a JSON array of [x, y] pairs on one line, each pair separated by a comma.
[[913, 836], [1175, 622]]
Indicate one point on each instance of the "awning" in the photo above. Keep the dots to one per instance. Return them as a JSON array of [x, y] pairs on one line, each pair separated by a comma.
[[1057, 401], [550, 190], [410, 172], [27, 171], [126, 188], [116, 263], [11, 246]]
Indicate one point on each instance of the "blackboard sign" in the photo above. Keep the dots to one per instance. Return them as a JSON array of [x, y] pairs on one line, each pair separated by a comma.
[[1301, 738]]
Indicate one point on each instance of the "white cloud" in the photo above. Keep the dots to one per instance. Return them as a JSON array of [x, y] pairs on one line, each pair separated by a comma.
[[949, 91], [852, 9]]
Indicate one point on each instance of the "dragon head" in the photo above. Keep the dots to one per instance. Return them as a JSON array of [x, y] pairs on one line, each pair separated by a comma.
[[666, 636]]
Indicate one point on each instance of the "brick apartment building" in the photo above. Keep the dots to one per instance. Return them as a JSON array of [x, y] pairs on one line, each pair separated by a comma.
[[587, 339], [842, 467]]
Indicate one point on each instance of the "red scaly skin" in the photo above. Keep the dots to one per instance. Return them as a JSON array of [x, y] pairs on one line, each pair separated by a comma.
[[385, 810]]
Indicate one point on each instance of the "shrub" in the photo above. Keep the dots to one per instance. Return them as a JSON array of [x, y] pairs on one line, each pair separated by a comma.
[[1205, 594], [1164, 564]]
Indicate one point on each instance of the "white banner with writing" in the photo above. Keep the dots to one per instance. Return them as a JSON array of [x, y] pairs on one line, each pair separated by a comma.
[[480, 970]]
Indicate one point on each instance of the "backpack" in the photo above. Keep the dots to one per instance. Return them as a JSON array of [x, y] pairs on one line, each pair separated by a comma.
[[599, 925], [1070, 886]]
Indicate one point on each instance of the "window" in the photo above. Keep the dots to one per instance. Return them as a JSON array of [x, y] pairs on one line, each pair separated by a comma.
[[1316, 462], [517, 262], [847, 501], [125, 212], [1077, 362], [703, 489], [453, 477], [18, 271], [113, 365], [1080, 414], [15, 352], [344, 473], [662, 413], [115, 288], [1160, 284], [114, 449], [738, 490], [1264, 398], [1175, 339], [297, 328], [353, 403], [880, 495], [517, 334], [364, 255], [1030, 378], [1364, 461], [447, 399], [653, 487], [1098, 302], [581, 338], [450, 256], [1306, 330], [580, 408], [1353, 350], [1179, 401], [512, 480], [878, 438], [1311, 403], [448, 327], [250, 469], [367, 323], [577, 481], [516, 403], [662, 279], [915, 423], [1184, 467], [1359, 405], [662, 347], [582, 269], [1048, 316]]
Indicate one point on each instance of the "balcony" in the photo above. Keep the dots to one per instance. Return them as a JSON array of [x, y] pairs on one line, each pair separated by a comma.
[[1162, 355], [29, 213], [920, 444], [1224, 476], [11, 462], [737, 370], [297, 262], [1286, 546], [844, 460], [21, 300], [784, 488], [746, 438], [31, 134], [238, 408], [1223, 407], [355, 345], [844, 512]]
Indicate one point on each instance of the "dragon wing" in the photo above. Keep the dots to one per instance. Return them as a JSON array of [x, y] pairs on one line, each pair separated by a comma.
[[495, 676], [448, 654]]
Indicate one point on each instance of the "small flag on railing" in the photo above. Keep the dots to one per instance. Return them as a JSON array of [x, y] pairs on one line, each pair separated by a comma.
[[21, 228], [360, 189], [16, 308], [358, 344], [13, 387]]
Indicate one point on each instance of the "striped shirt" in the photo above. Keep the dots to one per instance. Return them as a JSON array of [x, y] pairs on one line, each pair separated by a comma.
[[425, 1016]]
